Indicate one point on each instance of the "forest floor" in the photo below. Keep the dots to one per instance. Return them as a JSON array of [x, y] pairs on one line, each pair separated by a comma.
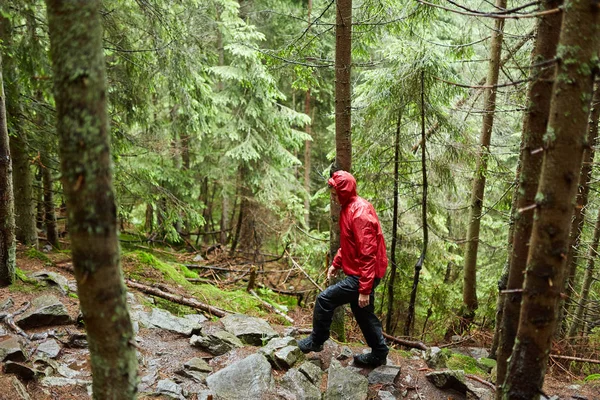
[[174, 350]]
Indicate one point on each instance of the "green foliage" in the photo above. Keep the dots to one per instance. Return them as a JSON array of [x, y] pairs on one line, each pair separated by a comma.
[[35, 254], [465, 363], [592, 378]]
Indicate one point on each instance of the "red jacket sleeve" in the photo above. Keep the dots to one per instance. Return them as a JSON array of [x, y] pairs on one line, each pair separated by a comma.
[[337, 260], [365, 232]]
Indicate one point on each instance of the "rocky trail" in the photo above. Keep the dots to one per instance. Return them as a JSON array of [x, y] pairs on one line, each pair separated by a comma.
[[44, 356]]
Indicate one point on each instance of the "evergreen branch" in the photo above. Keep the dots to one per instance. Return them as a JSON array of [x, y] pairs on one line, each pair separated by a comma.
[[493, 15], [515, 83]]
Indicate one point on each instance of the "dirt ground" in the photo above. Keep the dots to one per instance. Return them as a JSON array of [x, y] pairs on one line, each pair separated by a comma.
[[174, 350]]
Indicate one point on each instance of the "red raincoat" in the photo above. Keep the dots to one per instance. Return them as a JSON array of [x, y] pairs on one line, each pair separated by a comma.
[[362, 247]]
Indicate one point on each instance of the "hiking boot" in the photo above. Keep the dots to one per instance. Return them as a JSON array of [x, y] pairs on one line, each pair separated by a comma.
[[370, 360], [307, 345]]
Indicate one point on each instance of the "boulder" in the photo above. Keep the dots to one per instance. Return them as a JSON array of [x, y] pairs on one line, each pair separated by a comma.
[[287, 357], [475, 352], [250, 330], [249, 378], [450, 379], [345, 354], [385, 374], [163, 319], [312, 372], [166, 387], [21, 370], [45, 311], [50, 348], [435, 358], [486, 364], [12, 350], [216, 343], [277, 344], [300, 386], [344, 384], [53, 279], [197, 364]]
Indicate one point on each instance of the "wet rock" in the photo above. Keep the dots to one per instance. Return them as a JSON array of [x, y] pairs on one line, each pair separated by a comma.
[[21, 370], [277, 344], [486, 364], [167, 387], [45, 311], [250, 330], [312, 372], [343, 384], [249, 378], [216, 343], [385, 395], [435, 358], [345, 354], [287, 357], [448, 380], [300, 386], [6, 304], [53, 279], [12, 350], [385, 374], [162, 319], [50, 348]]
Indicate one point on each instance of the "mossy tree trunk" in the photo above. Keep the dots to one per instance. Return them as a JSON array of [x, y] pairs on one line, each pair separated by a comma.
[[7, 216], [26, 231], [535, 122], [307, 152], [476, 203], [80, 90], [563, 150]]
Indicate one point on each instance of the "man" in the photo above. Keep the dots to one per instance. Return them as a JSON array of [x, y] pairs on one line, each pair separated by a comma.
[[363, 259]]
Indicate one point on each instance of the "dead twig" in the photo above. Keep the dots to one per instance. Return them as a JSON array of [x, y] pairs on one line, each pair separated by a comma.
[[295, 264], [483, 381], [270, 307], [408, 343]]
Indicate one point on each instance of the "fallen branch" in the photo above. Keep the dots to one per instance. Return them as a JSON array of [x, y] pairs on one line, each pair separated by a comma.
[[176, 298], [483, 381], [295, 264], [271, 307], [407, 343], [8, 320], [578, 359]]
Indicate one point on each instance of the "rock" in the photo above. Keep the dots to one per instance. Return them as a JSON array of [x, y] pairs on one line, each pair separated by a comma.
[[12, 350], [58, 381], [45, 311], [300, 386], [312, 372], [52, 278], [249, 378], [170, 389], [217, 343], [475, 393], [277, 344], [435, 358], [287, 357], [3, 332], [196, 376], [20, 388], [486, 364], [574, 387], [385, 395], [49, 348], [345, 354], [21, 370], [250, 330], [66, 371], [290, 331], [198, 319], [198, 257], [475, 352], [204, 395], [579, 397], [344, 384], [385, 374], [197, 364], [456, 338], [163, 319], [6, 304], [448, 380]]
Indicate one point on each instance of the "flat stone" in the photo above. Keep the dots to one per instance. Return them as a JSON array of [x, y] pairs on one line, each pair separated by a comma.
[[52, 278], [20, 388], [312, 372], [450, 379], [216, 343], [50, 348], [385, 374], [12, 350], [50, 381], [277, 344], [197, 319], [287, 357], [344, 384], [385, 395], [167, 387], [250, 330], [475, 393], [197, 364], [249, 378], [163, 319], [345, 354], [435, 358], [196, 376], [45, 311], [300, 386], [21, 370]]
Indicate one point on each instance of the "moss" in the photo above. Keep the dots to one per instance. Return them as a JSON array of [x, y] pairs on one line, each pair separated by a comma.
[[176, 309], [466, 363], [24, 284], [38, 255], [187, 273], [592, 378], [73, 295]]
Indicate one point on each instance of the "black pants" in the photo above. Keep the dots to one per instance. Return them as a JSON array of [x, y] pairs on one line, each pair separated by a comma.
[[346, 292]]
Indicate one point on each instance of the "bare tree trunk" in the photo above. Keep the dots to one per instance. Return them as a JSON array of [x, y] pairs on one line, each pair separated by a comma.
[[535, 122], [49, 209], [586, 172], [149, 223], [392, 277], [7, 216], [80, 91], [307, 164], [24, 205], [564, 145], [343, 127], [476, 205], [580, 208]]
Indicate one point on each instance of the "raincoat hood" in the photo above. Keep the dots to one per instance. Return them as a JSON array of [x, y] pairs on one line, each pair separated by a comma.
[[345, 186]]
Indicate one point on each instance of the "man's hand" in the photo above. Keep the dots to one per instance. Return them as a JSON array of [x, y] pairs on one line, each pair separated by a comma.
[[331, 272], [363, 300]]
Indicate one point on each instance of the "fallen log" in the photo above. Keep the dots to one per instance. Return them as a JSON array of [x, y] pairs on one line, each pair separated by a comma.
[[578, 359], [407, 343], [271, 307], [176, 298]]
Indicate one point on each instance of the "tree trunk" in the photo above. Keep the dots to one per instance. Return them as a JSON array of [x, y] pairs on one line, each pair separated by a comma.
[[476, 205], [413, 293], [149, 220], [49, 209], [580, 208], [392, 277], [24, 204], [549, 246], [535, 122], [80, 91], [343, 128], [307, 165], [7, 216], [586, 172]]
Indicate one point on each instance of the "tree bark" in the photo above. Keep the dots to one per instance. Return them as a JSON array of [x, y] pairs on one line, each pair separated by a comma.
[[476, 204], [580, 208], [7, 216], [80, 91], [24, 204], [586, 171], [549, 246], [535, 122], [49, 209], [307, 164]]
